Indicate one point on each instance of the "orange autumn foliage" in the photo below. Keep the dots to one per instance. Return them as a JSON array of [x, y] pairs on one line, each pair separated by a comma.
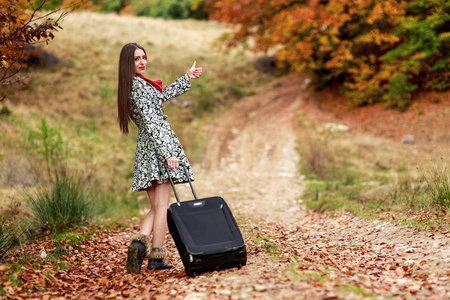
[[380, 50], [22, 23]]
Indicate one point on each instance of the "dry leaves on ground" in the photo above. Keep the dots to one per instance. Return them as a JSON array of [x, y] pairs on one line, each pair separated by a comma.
[[321, 258]]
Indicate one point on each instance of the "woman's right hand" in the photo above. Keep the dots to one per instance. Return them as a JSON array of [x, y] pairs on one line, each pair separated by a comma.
[[172, 162]]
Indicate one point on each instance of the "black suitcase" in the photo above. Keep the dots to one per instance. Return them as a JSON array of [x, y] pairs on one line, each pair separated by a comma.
[[205, 233]]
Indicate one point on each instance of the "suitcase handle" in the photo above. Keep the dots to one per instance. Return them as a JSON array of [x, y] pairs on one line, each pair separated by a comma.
[[173, 185]]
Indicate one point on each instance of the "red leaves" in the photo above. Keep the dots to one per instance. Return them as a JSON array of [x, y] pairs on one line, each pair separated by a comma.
[[19, 26]]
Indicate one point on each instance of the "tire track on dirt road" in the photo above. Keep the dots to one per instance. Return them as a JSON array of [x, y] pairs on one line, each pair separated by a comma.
[[251, 158], [252, 162]]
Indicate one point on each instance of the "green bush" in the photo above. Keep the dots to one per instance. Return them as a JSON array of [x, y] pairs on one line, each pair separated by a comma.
[[113, 5], [61, 205], [48, 143], [168, 9], [47, 4], [399, 93]]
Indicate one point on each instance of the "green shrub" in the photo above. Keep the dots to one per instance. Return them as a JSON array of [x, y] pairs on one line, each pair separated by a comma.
[[5, 111], [168, 9], [47, 4], [399, 94], [61, 205], [47, 142], [113, 5]]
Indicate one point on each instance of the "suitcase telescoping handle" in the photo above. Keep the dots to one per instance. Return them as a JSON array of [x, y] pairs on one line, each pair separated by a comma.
[[181, 164]]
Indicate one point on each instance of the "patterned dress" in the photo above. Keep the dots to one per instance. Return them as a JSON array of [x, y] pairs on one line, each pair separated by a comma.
[[156, 140]]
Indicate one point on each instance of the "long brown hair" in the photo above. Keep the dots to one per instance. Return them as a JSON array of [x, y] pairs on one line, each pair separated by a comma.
[[126, 75]]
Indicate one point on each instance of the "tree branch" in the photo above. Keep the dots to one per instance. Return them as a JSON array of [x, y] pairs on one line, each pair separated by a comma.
[[17, 33]]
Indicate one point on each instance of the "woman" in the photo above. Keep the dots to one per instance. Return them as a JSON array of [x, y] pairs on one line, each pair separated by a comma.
[[140, 99]]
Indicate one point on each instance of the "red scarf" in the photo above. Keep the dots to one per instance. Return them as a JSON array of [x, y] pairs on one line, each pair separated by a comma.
[[156, 83]]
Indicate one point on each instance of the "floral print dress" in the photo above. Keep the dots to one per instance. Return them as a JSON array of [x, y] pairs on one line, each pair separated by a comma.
[[156, 140]]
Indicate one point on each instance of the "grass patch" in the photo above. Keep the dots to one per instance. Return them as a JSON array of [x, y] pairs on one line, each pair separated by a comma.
[[15, 280], [372, 177], [437, 181], [266, 243], [61, 205], [352, 289], [73, 238]]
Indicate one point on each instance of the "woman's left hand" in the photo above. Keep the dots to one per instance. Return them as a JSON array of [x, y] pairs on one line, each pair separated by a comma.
[[194, 72]]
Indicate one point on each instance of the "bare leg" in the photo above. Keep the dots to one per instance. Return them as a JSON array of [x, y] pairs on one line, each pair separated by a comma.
[[154, 222], [147, 223], [160, 205], [156, 219]]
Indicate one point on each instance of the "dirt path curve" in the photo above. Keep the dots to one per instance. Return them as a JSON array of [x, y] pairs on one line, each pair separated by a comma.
[[251, 160]]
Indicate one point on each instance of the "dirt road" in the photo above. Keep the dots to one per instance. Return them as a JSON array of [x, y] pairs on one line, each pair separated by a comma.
[[252, 162], [251, 156]]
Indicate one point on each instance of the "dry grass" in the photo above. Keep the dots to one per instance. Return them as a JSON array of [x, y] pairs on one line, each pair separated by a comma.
[[78, 96], [373, 171]]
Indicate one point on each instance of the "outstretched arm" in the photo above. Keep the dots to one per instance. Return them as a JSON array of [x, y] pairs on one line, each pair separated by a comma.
[[182, 84]]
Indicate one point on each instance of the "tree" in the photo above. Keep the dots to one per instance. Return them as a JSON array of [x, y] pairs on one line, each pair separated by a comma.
[[21, 24], [380, 50]]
